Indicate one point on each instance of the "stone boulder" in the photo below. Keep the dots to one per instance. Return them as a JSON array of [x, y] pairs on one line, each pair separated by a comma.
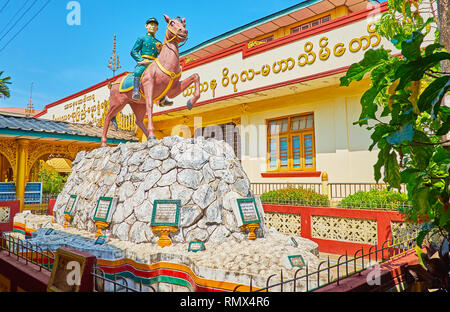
[[204, 174]]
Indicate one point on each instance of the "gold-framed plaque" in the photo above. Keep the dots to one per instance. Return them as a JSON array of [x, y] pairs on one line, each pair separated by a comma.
[[71, 205], [166, 212], [105, 209]]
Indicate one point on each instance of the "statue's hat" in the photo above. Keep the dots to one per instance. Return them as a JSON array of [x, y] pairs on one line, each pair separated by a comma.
[[152, 19]]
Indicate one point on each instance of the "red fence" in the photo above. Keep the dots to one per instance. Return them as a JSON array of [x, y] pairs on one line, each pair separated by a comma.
[[383, 219]]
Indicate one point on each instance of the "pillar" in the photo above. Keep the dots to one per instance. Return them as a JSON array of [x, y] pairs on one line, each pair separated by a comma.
[[22, 153]]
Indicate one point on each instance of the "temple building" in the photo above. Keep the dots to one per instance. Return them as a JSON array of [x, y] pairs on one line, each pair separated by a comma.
[[271, 89]]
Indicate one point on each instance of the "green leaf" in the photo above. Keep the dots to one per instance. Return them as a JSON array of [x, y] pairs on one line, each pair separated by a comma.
[[431, 97], [414, 70], [382, 156], [445, 128], [432, 47], [380, 131], [420, 199], [357, 71], [421, 153], [392, 171], [442, 155], [409, 175], [369, 107], [411, 47]]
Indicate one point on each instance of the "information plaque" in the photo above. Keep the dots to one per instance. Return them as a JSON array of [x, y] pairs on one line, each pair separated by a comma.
[[248, 210], [71, 205], [196, 246], [297, 261], [101, 240], [105, 209], [166, 212]]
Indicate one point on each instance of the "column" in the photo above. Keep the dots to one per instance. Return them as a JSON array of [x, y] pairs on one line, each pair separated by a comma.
[[22, 155]]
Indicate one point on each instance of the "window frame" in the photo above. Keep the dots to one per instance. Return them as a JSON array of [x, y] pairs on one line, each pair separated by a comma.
[[289, 134]]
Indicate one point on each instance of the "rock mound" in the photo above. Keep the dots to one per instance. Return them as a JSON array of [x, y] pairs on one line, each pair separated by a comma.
[[204, 174]]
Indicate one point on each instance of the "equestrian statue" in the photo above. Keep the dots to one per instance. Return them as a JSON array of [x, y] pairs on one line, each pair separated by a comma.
[[156, 76]]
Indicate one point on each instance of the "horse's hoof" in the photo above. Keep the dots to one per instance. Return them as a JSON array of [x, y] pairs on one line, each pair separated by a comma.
[[189, 105], [152, 138]]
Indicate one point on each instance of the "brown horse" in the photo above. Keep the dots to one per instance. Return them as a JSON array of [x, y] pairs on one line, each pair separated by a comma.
[[161, 78]]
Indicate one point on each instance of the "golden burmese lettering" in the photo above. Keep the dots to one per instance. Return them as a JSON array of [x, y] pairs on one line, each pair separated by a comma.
[[311, 52]]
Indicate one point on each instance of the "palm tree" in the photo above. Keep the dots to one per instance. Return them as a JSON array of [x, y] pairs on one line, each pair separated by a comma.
[[4, 90]]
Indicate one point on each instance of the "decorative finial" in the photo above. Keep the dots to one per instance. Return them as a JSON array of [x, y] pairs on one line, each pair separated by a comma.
[[114, 63]]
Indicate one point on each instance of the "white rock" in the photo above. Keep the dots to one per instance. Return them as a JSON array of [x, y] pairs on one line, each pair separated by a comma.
[[168, 178], [126, 190], [190, 178], [159, 152], [181, 192], [144, 211], [151, 179], [204, 196], [168, 165]]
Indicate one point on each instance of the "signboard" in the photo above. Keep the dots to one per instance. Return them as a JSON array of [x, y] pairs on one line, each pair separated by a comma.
[[166, 212], [248, 210], [105, 209], [297, 261], [196, 246], [245, 70], [101, 240], [71, 205]]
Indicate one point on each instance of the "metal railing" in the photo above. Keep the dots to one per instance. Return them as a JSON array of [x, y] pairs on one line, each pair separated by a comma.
[[344, 267], [25, 250], [335, 191], [45, 259], [342, 190], [260, 188], [370, 205], [116, 283]]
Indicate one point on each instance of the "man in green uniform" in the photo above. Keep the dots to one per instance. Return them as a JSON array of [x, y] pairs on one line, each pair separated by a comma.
[[144, 52]]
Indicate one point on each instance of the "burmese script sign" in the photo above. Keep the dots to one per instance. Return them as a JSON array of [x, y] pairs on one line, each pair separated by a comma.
[[166, 212], [297, 261], [105, 208], [241, 70], [248, 210], [71, 204]]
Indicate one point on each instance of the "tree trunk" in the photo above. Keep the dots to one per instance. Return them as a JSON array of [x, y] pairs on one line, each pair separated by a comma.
[[444, 38]]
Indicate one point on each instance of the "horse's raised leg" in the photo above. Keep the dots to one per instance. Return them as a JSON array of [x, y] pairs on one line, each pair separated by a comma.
[[148, 90], [139, 111], [183, 85]]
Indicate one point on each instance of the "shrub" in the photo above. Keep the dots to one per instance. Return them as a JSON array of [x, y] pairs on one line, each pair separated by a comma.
[[292, 195], [375, 198], [53, 182]]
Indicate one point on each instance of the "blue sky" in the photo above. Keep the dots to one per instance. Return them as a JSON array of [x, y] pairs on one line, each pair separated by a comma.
[[61, 59]]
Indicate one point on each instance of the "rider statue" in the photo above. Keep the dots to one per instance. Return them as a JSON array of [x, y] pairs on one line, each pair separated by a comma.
[[144, 52]]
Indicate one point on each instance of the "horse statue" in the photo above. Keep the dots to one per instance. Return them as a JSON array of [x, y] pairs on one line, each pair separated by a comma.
[[162, 77]]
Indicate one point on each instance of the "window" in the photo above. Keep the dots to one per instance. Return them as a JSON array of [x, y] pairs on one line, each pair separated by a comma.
[[267, 39], [310, 24], [290, 143]]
